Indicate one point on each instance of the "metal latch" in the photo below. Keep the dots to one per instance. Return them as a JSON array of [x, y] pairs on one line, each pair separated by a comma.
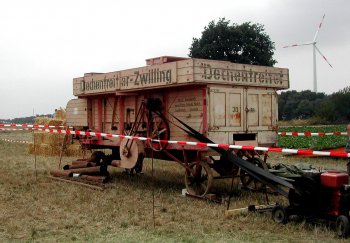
[[249, 110]]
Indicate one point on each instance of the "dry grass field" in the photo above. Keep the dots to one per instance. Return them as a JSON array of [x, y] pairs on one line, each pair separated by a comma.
[[35, 208]]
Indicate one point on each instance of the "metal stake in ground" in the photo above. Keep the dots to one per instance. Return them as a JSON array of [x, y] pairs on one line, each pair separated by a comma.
[[34, 150], [153, 215], [62, 149], [231, 192]]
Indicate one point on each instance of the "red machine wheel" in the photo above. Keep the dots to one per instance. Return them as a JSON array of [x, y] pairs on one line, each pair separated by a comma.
[[158, 128], [342, 226], [200, 182]]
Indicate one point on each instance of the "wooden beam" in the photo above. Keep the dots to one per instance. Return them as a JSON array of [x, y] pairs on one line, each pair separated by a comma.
[[77, 183]]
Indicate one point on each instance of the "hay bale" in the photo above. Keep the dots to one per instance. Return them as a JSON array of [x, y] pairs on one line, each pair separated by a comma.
[[40, 149], [55, 139], [48, 138], [55, 122], [50, 144], [51, 150], [73, 150], [38, 137], [44, 149], [41, 120], [55, 150], [30, 148], [60, 114]]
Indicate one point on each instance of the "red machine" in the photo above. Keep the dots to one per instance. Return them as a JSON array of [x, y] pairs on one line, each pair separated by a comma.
[[319, 196]]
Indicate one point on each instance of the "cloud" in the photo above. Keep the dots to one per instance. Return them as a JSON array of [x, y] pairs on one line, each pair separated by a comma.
[[44, 45]]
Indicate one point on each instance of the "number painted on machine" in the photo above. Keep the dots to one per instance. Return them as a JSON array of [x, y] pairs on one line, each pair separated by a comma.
[[235, 109]]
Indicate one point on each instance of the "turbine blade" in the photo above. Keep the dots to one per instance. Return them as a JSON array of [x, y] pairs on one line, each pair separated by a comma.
[[318, 50], [319, 27], [304, 44]]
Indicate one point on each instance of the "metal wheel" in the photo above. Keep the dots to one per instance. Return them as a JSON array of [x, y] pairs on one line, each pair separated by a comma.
[[158, 128], [247, 180], [279, 214], [199, 181], [342, 226], [132, 153]]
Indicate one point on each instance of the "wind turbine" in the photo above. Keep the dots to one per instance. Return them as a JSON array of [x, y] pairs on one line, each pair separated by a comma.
[[315, 48]]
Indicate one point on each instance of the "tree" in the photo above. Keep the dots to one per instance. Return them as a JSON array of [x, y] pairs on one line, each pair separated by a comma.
[[332, 108], [296, 105], [304, 109], [246, 43], [336, 107]]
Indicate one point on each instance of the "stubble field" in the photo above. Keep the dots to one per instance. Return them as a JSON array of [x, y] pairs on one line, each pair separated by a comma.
[[35, 208]]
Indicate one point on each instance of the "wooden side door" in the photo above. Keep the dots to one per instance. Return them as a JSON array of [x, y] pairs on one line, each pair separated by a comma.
[[260, 109], [226, 111]]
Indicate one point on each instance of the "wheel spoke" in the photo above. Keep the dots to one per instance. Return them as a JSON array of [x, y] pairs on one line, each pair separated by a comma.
[[155, 129], [158, 129], [200, 183], [162, 131], [249, 181], [158, 133]]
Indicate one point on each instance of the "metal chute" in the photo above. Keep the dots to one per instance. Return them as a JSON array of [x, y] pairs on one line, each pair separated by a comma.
[[274, 182]]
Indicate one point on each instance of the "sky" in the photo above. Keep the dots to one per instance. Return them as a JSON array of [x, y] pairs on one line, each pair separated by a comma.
[[45, 44]]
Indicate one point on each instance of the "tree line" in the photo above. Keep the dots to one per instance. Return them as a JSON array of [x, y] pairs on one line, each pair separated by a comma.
[[27, 119], [333, 108]]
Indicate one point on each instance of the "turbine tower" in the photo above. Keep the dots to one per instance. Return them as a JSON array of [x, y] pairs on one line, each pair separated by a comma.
[[315, 48]]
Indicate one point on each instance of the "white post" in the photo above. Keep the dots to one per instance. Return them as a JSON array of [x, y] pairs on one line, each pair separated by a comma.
[[315, 74]]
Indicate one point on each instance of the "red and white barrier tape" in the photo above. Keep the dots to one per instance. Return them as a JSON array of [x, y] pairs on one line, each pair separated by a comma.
[[13, 141], [200, 144], [45, 128], [16, 129], [308, 134], [301, 134], [30, 125]]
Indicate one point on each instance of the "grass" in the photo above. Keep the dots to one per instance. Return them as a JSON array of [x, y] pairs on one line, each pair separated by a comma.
[[34, 208], [313, 142]]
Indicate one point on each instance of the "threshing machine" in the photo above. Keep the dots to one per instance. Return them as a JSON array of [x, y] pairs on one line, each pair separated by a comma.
[[225, 102]]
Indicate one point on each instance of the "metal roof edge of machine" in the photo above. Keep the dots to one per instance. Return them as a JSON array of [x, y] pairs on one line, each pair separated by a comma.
[[172, 71]]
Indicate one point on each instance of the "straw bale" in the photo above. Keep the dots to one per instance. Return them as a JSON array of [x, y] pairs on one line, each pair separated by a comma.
[[50, 144], [60, 114], [41, 120], [44, 149], [39, 137], [55, 150], [55, 122], [48, 138], [30, 148], [40, 149], [73, 150], [55, 139], [52, 150]]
